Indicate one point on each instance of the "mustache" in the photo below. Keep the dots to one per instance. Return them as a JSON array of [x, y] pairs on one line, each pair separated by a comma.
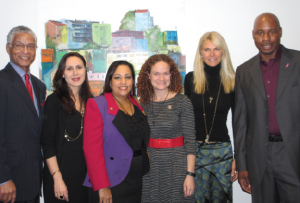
[[266, 43]]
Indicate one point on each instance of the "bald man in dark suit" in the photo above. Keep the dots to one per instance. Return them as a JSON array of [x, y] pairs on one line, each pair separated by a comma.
[[267, 117]]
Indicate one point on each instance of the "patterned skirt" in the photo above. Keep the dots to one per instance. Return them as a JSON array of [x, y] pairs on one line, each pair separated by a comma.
[[213, 173]]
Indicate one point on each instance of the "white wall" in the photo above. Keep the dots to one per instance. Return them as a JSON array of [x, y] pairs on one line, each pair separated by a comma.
[[232, 19], [14, 13]]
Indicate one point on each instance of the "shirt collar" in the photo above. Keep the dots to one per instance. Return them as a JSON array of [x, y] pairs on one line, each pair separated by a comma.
[[19, 70]]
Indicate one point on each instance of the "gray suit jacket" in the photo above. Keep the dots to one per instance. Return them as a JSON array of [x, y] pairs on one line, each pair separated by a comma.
[[20, 130], [251, 114]]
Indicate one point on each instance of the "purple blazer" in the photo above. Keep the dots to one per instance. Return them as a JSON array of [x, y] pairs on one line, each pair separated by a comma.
[[116, 141]]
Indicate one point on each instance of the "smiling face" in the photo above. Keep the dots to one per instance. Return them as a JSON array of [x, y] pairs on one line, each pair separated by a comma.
[[121, 82], [211, 54], [22, 57], [160, 76], [266, 34], [75, 72]]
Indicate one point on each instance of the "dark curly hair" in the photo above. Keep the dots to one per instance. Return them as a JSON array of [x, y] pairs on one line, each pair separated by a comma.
[[62, 89], [145, 89]]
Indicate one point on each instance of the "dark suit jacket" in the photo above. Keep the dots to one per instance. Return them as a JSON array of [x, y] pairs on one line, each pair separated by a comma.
[[20, 129], [251, 114]]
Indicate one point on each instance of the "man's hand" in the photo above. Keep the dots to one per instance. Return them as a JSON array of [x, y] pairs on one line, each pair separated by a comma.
[[243, 177], [8, 192]]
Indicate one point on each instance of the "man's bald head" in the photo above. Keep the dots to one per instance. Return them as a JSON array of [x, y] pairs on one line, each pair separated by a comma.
[[266, 17]]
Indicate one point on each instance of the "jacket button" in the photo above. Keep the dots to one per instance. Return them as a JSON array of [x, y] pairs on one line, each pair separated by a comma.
[[111, 158]]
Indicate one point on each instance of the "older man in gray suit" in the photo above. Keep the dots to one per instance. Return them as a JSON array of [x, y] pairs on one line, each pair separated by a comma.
[[21, 111], [267, 117]]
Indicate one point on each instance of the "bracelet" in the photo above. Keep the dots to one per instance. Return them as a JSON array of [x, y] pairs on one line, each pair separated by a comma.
[[191, 174], [55, 172]]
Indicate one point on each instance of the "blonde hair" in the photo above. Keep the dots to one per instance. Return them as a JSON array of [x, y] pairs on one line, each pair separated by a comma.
[[227, 72]]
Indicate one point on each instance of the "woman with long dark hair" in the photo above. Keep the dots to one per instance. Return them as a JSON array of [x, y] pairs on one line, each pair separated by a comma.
[[65, 166], [116, 135]]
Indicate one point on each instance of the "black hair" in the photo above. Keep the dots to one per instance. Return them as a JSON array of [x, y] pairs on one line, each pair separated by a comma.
[[110, 72]]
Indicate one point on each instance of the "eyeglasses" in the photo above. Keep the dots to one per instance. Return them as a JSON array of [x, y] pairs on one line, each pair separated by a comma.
[[30, 47]]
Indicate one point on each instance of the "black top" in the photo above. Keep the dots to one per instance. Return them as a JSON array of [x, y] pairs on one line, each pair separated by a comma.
[[56, 122], [226, 101], [129, 190], [136, 128], [69, 154]]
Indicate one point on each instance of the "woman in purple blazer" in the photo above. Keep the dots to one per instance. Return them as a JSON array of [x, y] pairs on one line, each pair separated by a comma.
[[116, 135]]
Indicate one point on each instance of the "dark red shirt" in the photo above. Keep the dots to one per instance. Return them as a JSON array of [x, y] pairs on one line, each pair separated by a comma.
[[270, 71]]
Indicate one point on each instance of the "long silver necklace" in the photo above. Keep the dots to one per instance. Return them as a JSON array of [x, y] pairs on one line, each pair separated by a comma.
[[123, 107], [212, 124], [154, 117]]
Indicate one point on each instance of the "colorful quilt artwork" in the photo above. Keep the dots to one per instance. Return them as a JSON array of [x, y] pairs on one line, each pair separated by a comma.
[[136, 40]]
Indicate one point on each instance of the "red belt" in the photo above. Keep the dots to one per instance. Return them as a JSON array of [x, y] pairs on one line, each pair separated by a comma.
[[166, 143]]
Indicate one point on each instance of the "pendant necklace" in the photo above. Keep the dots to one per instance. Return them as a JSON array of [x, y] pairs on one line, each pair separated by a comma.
[[122, 105], [210, 94], [154, 117], [212, 124]]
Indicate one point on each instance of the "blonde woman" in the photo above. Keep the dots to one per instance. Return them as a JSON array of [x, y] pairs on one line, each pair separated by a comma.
[[210, 88]]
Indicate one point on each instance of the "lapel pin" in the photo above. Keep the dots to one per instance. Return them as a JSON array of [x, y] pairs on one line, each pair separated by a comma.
[[287, 65], [170, 107]]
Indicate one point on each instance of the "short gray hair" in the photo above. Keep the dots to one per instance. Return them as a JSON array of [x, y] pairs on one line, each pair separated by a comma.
[[19, 29]]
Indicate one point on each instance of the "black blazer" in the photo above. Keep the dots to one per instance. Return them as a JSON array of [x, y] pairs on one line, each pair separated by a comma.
[[250, 127], [20, 129]]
